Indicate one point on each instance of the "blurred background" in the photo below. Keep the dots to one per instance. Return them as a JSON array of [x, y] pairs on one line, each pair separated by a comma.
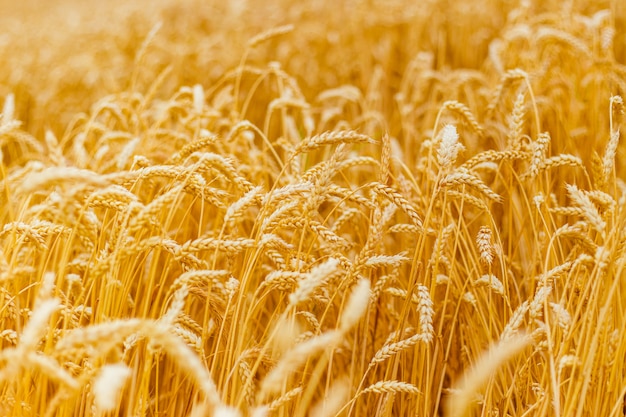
[[59, 57]]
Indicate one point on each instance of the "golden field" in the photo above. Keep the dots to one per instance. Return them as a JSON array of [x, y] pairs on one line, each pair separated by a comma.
[[312, 208]]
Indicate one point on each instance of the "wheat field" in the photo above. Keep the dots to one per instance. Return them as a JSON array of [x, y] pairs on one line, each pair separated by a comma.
[[322, 208]]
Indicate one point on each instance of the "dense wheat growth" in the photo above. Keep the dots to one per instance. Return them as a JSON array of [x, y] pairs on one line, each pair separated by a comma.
[[315, 208]]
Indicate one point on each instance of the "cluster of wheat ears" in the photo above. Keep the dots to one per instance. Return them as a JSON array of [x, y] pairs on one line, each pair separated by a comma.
[[315, 208]]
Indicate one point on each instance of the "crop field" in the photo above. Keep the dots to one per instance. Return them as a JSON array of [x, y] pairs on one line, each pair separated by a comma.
[[314, 208]]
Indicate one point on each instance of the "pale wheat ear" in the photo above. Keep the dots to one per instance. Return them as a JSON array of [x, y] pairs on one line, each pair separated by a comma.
[[459, 404], [356, 306], [8, 109], [108, 384], [449, 147]]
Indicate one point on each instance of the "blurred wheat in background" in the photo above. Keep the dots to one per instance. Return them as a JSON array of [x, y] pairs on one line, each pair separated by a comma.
[[312, 208]]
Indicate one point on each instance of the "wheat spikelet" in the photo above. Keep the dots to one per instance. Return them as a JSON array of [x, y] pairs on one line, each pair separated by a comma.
[[10, 336], [560, 160], [469, 199], [564, 319], [236, 209], [449, 147], [177, 305], [463, 177], [512, 327], [348, 215], [516, 128], [113, 196], [331, 138], [284, 102], [327, 234], [381, 283], [385, 159], [590, 212], [205, 140], [247, 380], [536, 306], [425, 308], [311, 319], [539, 149], [313, 279], [507, 79], [353, 162], [604, 201], [394, 261], [493, 156], [400, 293], [404, 228], [578, 232], [350, 196], [554, 273], [35, 232], [285, 398], [567, 361], [184, 358], [230, 246], [279, 195], [202, 279], [399, 201], [608, 161], [485, 248], [492, 282], [568, 211], [209, 161], [391, 349], [387, 387], [439, 248], [282, 280], [467, 114]]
